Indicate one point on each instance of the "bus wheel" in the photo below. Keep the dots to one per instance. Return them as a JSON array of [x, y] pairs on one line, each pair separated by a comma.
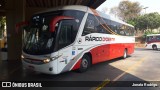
[[125, 54], [85, 63], [154, 47]]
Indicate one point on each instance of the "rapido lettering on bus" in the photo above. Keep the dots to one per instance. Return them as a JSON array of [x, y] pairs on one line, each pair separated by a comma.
[[92, 38]]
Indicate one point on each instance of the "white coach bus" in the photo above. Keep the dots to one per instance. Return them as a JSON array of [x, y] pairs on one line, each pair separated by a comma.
[[74, 37], [153, 41]]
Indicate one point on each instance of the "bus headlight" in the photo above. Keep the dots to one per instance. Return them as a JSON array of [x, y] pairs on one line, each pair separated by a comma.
[[46, 60], [51, 59], [22, 57]]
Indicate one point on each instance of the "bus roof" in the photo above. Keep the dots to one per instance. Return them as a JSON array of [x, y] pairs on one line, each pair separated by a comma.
[[85, 9], [113, 19], [69, 7], [153, 35]]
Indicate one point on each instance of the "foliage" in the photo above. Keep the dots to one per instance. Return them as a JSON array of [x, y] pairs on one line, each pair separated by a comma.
[[132, 22], [130, 12], [147, 33], [127, 10], [114, 11], [147, 22], [2, 25]]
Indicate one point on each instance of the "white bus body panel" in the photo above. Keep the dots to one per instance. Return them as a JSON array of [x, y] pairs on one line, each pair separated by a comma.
[[71, 54], [44, 68], [149, 46]]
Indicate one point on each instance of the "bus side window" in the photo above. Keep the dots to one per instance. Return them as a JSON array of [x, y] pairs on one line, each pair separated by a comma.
[[154, 38], [150, 38], [158, 38], [90, 25], [102, 26]]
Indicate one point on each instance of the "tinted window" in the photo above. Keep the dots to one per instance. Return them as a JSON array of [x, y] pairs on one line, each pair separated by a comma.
[[158, 38], [153, 38], [96, 24], [69, 28], [105, 23], [65, 34], [78, 15], [115, 27], [90, 25], [129, 31]]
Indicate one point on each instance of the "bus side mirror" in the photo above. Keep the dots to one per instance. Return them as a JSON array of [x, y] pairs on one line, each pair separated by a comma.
[[56, 19]]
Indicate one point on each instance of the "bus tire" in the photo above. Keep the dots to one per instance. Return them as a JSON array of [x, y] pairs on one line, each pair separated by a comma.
[[125, 54], [154, 47], [85, 63]]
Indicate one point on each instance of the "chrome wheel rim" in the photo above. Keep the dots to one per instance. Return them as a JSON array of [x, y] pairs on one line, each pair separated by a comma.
[[84, 63]]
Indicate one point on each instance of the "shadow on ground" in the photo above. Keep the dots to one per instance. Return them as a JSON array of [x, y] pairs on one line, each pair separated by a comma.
[[13, 71]]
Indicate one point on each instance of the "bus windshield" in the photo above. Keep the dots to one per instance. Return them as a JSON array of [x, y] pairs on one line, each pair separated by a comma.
[[39, 40], [37, 37]]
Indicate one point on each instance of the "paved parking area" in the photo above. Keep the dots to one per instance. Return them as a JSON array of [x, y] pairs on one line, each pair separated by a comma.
[[118, 74]]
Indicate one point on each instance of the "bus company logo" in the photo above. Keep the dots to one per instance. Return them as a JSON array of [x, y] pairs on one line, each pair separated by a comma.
[[6, 84], [79, 40], [92, 38]]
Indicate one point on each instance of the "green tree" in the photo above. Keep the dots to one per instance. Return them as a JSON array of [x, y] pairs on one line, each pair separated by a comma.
[[2, 25], [147, 22]]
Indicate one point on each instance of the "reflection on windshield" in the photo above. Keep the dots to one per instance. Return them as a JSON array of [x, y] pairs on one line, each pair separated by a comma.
[[38, 41]]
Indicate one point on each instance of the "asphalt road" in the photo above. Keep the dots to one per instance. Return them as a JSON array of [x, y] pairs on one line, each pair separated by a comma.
[[142, 67]]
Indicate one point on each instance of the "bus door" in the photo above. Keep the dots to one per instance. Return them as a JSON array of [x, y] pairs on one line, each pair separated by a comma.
[[66, 37]]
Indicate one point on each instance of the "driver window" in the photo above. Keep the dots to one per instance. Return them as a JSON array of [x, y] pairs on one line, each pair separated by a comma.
[[67, 33]]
